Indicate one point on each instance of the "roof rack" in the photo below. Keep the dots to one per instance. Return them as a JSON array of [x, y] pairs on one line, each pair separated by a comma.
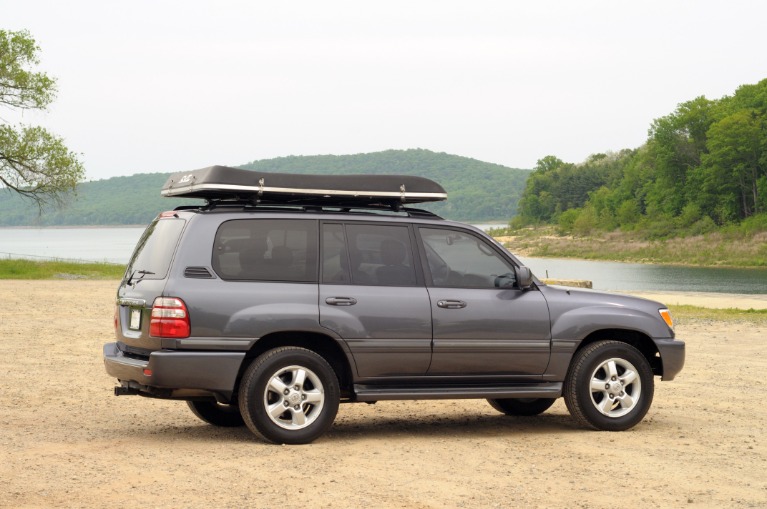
[[218, 183], [310, 206]]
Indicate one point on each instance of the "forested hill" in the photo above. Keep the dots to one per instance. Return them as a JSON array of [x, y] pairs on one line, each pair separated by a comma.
[[703, 167], [477, 191]]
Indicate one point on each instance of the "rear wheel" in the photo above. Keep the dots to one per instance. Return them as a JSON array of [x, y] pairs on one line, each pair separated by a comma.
[[522, 406], [609, 386], [217, 414], [289, 395]]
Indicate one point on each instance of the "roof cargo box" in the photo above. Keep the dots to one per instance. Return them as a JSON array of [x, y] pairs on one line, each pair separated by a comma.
[[221, 182]]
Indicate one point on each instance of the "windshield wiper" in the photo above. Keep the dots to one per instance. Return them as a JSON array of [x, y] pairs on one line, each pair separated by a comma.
[[142, 272]]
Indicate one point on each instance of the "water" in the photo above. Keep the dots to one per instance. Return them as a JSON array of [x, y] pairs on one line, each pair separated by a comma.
[[115, 245], [639, 276]]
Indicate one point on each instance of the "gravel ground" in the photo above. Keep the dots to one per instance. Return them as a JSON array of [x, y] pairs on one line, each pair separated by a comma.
[[66, 441]]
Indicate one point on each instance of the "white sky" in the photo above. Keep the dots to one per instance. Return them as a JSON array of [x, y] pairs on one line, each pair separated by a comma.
[[175, 85]]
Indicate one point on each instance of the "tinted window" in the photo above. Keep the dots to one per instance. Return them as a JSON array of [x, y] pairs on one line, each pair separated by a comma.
[[380, 255], [376, 255], [335, 260], [266, 250], [461, 260], [154, 250]]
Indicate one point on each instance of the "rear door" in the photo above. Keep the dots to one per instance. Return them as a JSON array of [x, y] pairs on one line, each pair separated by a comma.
[[372, 295], [144, 280], [479, 327]]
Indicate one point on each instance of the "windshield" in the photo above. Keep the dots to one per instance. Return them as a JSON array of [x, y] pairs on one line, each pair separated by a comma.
[[154, 250]]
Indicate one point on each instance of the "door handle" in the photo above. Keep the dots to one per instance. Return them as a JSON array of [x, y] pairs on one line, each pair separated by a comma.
[[451, 304], [341, 301]]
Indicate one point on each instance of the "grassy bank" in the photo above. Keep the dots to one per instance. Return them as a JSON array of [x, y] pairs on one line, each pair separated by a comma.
[[29, 269], [685, 314], [718, 249]]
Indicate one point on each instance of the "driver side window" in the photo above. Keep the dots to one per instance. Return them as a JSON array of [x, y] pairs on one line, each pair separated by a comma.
[[461, 260]]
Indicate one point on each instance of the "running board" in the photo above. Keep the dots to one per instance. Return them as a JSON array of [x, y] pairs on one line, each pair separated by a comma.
[[380, 393]]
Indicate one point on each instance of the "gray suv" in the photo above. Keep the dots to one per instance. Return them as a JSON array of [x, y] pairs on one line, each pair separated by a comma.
[[285, 295]]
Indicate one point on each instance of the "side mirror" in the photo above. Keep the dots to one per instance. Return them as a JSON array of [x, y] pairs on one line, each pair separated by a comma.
[[524, 277]]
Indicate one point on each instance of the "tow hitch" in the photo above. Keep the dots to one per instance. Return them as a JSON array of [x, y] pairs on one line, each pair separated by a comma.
[[126, 391]]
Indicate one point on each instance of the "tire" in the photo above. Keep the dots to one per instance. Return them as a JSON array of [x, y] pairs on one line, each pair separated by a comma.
[[217, 414], [289, 395], [609, 386], [522, 406]]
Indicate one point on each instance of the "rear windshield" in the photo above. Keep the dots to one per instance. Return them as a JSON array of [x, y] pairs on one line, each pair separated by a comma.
[[154, 250]]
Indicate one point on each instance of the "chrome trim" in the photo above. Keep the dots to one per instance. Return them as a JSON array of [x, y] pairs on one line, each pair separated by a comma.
[[125, 301]]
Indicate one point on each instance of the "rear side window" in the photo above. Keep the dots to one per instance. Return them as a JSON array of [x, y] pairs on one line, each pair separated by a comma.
[[154, 251], [375, 255], [266, 250]]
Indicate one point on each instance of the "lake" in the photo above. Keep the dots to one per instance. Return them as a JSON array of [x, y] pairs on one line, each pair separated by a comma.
[[115, 245]]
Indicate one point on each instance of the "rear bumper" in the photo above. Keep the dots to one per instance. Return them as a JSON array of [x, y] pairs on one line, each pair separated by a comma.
[[672, 353], [176, 370]]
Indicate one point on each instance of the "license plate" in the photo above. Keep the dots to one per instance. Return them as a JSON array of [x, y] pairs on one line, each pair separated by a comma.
[[135, 319]]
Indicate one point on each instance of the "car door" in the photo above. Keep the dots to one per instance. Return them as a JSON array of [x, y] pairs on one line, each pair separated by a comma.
[[481, 326], [372, 295]]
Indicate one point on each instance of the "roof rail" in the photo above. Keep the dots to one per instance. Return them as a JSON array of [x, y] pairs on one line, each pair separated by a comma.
[[312, 206]]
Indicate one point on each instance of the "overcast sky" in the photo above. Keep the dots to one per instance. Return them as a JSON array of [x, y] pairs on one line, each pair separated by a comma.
[[165, 86]]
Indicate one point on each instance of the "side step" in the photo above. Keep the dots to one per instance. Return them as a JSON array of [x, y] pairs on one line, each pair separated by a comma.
[[380, 393]]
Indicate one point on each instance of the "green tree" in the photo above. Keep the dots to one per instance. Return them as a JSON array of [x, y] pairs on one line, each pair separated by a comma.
[[33, 162], [736, 158], [676, 144]]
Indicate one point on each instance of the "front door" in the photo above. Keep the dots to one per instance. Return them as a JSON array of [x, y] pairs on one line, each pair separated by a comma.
[[481, 326]]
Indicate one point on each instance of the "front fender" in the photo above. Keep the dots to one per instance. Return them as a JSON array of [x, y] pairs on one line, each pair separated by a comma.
[[578, 323]]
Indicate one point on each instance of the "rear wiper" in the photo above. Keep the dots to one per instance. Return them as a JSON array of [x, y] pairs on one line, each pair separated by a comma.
[[142, 272]]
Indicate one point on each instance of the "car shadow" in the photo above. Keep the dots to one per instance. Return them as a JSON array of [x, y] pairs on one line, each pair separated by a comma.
[[350, 430], [452, 426]]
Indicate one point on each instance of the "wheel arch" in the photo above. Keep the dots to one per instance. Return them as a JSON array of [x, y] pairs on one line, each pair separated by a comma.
[[321, 344], [638, 340]]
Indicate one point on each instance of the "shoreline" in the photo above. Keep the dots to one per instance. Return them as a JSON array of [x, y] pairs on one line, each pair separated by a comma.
[[708, 300], [530, 253], [74, 227]]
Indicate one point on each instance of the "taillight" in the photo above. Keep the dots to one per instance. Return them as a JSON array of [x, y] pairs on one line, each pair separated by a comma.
[[170, 318], [117, 320]]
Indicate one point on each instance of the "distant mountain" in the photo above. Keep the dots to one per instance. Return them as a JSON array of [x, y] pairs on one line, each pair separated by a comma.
[[477, 191]]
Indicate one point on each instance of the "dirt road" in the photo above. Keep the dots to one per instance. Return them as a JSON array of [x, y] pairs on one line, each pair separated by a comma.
[[66, 441]]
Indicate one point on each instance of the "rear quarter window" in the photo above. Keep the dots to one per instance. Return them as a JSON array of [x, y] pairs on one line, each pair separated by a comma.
[[266, 250]]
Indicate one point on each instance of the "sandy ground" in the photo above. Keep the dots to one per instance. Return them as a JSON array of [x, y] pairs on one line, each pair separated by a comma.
[[66, 441]]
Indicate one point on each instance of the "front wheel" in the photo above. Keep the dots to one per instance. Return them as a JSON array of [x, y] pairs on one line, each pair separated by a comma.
[[522, 406], [609, 386], [289, 395]]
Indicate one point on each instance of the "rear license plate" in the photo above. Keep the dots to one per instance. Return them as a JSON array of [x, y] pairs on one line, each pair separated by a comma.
[[135, 319]]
